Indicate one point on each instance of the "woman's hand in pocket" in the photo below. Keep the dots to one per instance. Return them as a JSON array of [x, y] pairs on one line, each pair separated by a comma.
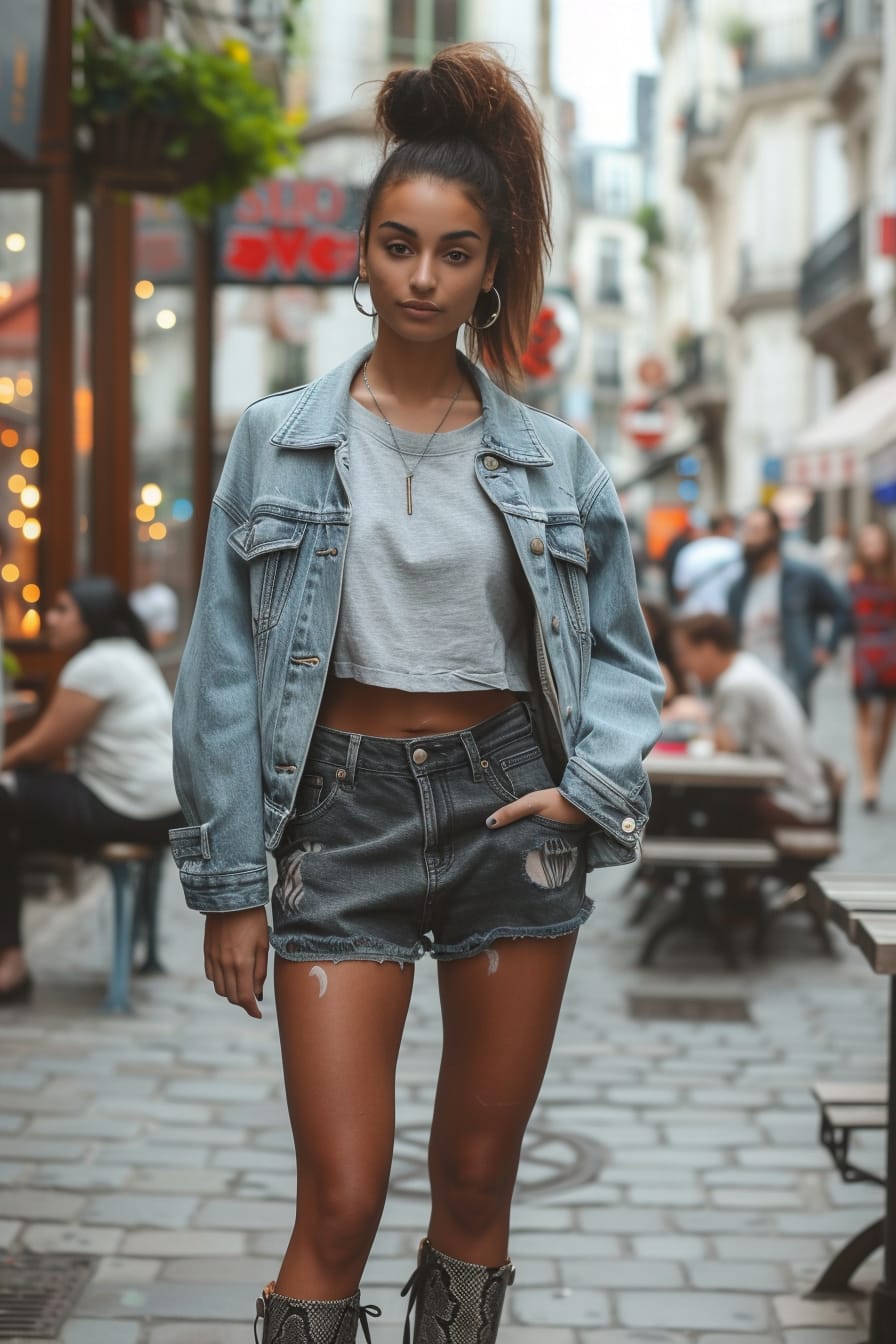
[[548, 803], [236, 956]]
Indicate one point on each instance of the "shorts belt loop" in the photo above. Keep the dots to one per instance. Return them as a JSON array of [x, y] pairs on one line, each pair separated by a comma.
[[351, 760], [473, 753]]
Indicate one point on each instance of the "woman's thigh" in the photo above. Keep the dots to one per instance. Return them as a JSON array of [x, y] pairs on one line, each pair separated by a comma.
[[340, 1030], [499, 1013]]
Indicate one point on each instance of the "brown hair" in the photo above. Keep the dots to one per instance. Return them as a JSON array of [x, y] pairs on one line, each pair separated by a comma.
[[887, 566], [708, 628], [469, 119]]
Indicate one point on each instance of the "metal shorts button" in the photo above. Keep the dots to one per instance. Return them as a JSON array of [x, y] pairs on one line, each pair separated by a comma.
[[419, 756], [536, 546], [490, 463], [629, 825]]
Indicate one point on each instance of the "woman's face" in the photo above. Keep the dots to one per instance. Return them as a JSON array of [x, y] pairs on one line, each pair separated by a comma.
[[873, 545], [426, 258], [64, 626]]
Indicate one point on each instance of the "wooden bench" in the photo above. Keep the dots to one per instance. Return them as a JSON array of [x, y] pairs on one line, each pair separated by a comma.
[[691, 861], [845, 1109]]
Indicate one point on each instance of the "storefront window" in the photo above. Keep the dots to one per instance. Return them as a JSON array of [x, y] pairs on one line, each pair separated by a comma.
[[21, 517], [162, 367]]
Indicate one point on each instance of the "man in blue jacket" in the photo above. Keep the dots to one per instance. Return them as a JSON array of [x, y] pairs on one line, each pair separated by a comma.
[[777, 604]]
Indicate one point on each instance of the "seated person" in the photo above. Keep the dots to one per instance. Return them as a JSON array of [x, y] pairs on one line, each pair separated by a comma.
[[754, 712], [680, 707], [112, 708]]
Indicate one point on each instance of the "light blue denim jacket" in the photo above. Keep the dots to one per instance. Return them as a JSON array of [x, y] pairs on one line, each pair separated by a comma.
[[253, 671]]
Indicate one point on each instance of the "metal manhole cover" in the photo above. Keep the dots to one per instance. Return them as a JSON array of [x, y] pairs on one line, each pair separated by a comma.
[[683, 1008], [550, 1161], [38, 1292]]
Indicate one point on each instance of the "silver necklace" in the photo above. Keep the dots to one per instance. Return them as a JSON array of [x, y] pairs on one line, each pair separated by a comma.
[[409, 476]]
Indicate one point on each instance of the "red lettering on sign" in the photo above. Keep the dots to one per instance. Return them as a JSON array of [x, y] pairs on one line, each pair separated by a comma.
[[333, 254], [247, 254], [287, 246], [543, 336]]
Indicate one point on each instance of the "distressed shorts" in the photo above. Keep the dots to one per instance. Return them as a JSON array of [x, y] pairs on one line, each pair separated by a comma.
[[387, 854]]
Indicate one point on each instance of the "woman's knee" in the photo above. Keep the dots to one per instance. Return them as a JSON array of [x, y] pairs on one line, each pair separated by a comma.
[[474, 1181], [340, 1214]]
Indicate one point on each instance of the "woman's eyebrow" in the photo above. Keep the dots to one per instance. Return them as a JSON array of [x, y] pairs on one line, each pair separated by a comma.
[[412, 233]]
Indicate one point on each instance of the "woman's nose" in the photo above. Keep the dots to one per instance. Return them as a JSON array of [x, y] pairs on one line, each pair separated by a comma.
[[424, 274]]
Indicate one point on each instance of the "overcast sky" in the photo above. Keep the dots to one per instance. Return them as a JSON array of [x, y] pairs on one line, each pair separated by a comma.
[[599, 46]]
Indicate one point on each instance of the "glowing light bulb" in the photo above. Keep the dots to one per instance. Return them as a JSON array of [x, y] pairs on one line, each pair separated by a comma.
[[151, 494], [30, 624], [9, 438], [145, 513], [16, 518], [24, 385], [31, 592], [15, 242], [158, 531], [30, 497], [9, 573], [144, 289], [31, 529], [30, 457], [7, 389], [17, 483], [166, 319]]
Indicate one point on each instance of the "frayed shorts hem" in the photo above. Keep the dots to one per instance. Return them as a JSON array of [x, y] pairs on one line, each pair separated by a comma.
[[291, 948]]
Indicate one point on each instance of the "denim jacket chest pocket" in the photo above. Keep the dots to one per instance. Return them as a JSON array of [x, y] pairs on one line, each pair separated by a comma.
[[565, 542], [270, 544]]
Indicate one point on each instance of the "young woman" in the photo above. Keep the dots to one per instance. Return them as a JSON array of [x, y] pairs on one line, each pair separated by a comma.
[[112, 710], [419, 673], [872, 585]]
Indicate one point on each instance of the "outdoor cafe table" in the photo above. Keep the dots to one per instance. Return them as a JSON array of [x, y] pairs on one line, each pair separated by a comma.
[[864, 907], [721, 770]]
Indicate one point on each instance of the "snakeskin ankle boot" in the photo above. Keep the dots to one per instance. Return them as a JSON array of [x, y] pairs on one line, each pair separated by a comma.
[[456, 1302], [291, 1320]]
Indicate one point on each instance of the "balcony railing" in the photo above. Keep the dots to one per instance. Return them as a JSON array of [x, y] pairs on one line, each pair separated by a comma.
[[702, 360], [765, 277], [785, 49], [833, 266], [838, 20]]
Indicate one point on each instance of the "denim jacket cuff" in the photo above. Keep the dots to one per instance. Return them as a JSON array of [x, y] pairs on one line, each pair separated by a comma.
[[219, 893], [622, 817]]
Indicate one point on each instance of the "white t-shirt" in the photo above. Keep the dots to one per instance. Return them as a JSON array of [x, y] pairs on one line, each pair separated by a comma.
[[761, 621], [765, 719], [704, 571], [125, 757]]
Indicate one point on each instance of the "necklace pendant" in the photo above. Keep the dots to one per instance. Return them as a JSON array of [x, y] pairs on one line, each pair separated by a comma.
[[409, 491]]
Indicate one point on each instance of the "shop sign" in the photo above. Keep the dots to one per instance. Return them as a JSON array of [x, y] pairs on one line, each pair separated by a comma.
[[290, 232], [22, 55], [553, 340]]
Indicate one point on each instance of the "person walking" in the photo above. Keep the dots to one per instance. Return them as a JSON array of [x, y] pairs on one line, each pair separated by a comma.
[[707, 567], [778, 604], [872, 587], [112, 711], [418, 673]]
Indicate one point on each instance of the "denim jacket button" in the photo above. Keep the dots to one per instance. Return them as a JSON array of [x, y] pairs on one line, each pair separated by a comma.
[[536, 546], [555, 624], [628, 825], [490, 463]]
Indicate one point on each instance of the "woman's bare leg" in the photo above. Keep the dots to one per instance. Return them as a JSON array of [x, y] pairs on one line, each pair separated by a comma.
[[884, 733], [499, 1012], [867, 748], [340, 1031]]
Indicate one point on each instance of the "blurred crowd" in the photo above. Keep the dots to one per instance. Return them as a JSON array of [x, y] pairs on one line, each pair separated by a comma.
[[749, 618]]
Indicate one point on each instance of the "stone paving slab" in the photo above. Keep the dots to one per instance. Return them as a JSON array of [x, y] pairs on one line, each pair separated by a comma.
[[707, 1214]]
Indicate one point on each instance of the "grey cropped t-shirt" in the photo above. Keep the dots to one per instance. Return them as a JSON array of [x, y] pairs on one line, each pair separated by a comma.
[[435, 600]]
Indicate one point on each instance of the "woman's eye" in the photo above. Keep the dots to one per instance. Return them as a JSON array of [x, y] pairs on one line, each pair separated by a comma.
[[457, 256], [399, 249]]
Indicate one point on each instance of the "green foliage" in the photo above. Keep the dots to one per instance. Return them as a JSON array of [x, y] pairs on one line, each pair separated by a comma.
[[738, 31], [11, 666], [200, 94], [650, 219]]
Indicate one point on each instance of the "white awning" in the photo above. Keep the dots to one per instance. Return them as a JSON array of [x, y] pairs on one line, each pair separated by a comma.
[[835, 449]]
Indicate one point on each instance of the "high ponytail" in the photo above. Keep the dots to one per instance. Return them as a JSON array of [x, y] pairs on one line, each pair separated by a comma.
[[469, 119]]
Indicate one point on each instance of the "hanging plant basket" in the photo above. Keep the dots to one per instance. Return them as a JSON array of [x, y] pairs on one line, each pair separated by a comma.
[[131, 151], [194, 124]]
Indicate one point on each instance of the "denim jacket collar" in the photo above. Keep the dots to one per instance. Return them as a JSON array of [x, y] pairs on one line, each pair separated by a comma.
[[317, 418]]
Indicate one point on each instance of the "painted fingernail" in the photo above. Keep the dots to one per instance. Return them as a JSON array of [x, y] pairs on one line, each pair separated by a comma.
[[491, 821]]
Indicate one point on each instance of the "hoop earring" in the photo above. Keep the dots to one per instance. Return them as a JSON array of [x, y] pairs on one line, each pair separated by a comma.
[[484, 326], [364, 311]]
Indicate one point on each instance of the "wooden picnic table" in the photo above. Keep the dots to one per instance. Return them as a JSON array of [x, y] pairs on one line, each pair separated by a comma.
[[722, 770], [864, 907]]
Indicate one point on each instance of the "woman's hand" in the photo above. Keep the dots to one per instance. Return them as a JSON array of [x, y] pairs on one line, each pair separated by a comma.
[[548, 803], [236, 956]]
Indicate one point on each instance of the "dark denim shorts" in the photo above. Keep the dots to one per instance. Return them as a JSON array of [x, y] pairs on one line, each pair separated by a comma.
[[388, 856]]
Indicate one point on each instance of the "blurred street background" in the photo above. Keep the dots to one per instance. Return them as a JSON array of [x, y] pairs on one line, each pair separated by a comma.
[[179, 238]]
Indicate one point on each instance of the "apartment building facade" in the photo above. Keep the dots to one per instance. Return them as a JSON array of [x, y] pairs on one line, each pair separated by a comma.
[[775, 292]]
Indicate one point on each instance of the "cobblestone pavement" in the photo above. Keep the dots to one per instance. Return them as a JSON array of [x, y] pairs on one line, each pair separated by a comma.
[[673, 1190]]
